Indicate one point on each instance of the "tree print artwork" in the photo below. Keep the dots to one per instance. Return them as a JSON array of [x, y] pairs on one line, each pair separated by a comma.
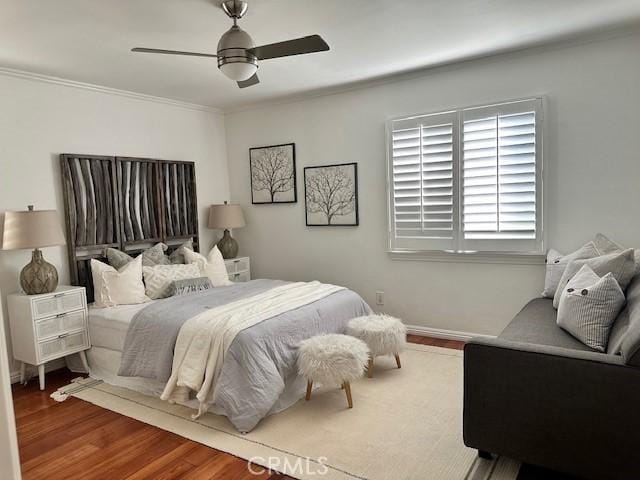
[[273, 174], [331, 195]]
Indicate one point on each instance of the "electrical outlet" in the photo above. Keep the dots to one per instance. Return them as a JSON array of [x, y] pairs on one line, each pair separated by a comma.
[[379, 297]]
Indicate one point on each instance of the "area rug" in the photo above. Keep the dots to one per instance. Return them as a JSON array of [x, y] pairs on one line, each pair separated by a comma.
[[406, 424]]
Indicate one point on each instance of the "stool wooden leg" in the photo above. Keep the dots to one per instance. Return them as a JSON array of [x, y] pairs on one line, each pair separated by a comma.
[[309, 385], [347, 389], [370, 368], [398, 360]]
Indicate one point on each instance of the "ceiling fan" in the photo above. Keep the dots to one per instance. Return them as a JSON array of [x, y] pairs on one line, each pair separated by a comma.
[[238, 57]]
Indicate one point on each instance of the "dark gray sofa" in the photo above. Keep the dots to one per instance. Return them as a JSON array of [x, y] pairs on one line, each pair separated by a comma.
[[538, 395]]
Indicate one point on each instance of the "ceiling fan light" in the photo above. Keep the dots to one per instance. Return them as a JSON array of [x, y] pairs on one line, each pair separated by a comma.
[[239, 71]]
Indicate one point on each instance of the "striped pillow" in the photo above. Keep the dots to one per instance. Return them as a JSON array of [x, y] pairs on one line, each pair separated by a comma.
[[588, 307]]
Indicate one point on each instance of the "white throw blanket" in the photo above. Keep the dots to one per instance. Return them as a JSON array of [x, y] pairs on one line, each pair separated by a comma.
[[204, 339]]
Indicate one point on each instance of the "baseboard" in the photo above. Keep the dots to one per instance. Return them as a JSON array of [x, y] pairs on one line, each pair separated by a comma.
[[49, 367], [442, 333]]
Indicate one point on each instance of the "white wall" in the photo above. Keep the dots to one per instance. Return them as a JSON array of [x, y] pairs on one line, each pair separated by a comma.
[[40, 120], [592, 141]]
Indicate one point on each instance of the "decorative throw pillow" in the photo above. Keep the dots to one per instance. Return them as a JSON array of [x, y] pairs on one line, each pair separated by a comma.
[[620, 264], [557, 263], [605, 245], [588, 307], [118, 287], [211, 266], [625, 335], [158, 279], [150, 257], [177, 256], [189, 285]]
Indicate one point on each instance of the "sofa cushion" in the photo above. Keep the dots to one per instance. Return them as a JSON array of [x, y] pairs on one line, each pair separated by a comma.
[[620, 264], [536, 324], [589, 306]]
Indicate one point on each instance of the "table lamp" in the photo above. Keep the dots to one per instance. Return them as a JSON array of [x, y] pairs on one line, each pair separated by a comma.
[[34, 229], [225, 217]]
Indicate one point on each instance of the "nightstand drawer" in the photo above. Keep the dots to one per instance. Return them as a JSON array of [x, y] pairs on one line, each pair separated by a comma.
[[237, 265], [58, 303], [62, 323], [240, 277], [65, 344]]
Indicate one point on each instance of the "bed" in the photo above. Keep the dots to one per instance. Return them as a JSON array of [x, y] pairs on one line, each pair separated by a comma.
[[128, 204]]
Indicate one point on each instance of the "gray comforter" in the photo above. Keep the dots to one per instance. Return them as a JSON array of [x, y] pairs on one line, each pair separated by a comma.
[[259, 374]]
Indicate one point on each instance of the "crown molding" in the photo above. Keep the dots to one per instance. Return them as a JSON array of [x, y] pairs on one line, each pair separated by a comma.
[[10, 72]]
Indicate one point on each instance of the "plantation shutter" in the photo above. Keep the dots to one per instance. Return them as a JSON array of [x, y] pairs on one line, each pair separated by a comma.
[[500, 178], [422, 190], [468, 180]]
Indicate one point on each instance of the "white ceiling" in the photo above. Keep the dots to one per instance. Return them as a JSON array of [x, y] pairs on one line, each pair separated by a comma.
[[89, 40]]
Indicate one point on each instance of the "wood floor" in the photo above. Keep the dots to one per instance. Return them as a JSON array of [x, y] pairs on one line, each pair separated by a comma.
[[77, 440]]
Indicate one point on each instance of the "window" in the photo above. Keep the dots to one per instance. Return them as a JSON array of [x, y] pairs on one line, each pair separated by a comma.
[[467, 180]]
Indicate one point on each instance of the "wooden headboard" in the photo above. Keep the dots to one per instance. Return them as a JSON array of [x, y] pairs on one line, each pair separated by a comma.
[[125, 203]]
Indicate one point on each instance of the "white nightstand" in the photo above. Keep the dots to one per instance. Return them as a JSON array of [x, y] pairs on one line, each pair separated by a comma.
[[239, 269], [48, 326]]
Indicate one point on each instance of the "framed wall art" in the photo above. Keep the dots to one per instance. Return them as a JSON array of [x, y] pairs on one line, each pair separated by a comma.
[[273, 174], [331, 195]]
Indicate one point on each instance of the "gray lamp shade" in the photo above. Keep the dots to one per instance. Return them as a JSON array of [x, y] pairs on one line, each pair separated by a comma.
[[31, 229], [226, 216]]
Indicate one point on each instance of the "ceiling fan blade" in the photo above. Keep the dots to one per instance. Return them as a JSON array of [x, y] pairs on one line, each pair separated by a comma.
[[299, 46], [172, 52], [253, 80]]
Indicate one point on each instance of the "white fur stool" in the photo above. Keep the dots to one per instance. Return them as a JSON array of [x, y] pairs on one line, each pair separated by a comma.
[[332, 359], [383, 334]]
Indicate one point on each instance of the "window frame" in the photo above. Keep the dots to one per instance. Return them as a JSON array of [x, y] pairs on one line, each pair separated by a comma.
[[458, 246]]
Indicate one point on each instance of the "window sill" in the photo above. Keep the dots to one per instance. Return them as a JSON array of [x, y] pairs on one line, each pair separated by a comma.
[[468, 257]]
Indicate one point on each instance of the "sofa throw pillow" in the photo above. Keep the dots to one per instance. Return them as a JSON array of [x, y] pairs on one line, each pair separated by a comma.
[[158, 279], [588, 307], [557, 263], [605, 245], [211, 266], [150, 257], [620, 264], [118, 287], [625, 335], [177, 256]]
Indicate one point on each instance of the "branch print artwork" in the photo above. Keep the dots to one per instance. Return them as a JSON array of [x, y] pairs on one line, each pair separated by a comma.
[[331, 195], [273, 174]]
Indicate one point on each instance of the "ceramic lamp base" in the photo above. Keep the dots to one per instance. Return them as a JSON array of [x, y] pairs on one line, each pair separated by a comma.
[[38, 276], [228, 246]]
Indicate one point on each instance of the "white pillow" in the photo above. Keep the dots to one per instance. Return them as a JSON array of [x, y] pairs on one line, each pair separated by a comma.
[[556, 264], [212, 266], [159, 278], [118, 287], [588, 307]]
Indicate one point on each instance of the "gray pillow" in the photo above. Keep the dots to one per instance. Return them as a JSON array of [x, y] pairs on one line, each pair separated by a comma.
[[625, 336], [605, 245], [557, 263], [150, 257], [177, 256], [620, 264], [588, 307], [117, 258]]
